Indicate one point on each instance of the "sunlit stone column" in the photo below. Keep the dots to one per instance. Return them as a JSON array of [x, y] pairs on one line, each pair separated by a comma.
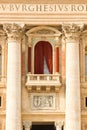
[[72, 33], [27, 125], [13, 106]]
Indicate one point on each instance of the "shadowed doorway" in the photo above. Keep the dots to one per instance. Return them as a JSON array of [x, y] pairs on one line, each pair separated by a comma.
[[44, 126]]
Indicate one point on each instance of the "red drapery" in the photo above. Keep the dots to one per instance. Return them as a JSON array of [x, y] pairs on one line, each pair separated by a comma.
[[48, 55], [42, 49], [29, 59], [38, 59], [57, 59]]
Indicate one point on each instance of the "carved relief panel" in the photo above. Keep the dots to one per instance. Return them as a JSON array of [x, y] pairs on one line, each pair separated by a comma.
[[43, 102]]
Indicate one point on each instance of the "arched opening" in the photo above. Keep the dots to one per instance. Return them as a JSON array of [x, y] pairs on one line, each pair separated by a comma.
[[43, 60]]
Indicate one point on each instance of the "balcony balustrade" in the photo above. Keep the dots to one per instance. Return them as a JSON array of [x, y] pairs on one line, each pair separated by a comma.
[[43, 80]]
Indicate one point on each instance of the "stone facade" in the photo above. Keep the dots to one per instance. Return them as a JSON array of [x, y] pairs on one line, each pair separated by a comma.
[[27, 98]]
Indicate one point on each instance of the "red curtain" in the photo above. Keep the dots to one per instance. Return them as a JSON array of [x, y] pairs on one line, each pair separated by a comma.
[[57, 59], [42, 49], [48, 55], [29, 59], [39, 59]]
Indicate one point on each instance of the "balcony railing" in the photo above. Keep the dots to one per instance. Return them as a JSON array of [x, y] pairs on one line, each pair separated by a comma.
[[43, 80]]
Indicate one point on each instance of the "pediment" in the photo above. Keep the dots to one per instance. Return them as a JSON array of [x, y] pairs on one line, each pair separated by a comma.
[[43, 30]]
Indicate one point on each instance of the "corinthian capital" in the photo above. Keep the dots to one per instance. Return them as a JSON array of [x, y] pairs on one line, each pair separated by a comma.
[[13, 31], [72, 31]]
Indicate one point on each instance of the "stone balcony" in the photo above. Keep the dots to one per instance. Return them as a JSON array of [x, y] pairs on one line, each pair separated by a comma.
[[43, 80]]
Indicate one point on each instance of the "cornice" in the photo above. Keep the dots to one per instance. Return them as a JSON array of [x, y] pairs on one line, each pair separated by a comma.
[[42, 19]]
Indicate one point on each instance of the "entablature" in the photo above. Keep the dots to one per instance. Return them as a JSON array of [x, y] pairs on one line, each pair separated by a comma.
[[39, 14]]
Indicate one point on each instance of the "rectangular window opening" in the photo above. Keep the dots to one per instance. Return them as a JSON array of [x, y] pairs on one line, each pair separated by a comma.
[[85, 101], [0, 101]]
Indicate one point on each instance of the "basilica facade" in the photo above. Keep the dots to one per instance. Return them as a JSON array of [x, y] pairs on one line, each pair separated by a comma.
[[43, 67]]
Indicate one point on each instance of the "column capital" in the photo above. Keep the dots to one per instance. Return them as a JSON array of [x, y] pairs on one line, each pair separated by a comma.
[[2, 32], [13, 31], [27, 124], [59, 124], [72, 31]]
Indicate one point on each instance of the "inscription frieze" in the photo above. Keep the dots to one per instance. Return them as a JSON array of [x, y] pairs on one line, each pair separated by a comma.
[[43, 8]]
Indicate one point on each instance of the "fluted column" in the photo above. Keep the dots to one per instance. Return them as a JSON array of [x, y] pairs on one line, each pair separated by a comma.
[[27, 125], [72, 33], [13, 106]]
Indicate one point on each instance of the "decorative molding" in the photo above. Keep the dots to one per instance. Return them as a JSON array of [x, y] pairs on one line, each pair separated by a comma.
[[84, 35], [43, 31], [2, 32]]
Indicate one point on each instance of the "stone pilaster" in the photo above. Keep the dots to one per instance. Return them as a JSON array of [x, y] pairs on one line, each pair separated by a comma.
[[13, 106], [27, 125], [63, 50], [3, 46], [72, 33]]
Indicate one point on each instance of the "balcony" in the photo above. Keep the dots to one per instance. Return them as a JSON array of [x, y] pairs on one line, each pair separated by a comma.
[[43, 80]]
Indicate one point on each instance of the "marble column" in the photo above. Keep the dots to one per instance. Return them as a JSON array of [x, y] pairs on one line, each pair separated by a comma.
[[27, 125], [13, 106], [73, 112]]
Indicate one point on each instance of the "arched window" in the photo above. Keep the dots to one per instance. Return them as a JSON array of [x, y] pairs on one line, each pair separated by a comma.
[[44, 59], [0, 60], [86, 60]]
